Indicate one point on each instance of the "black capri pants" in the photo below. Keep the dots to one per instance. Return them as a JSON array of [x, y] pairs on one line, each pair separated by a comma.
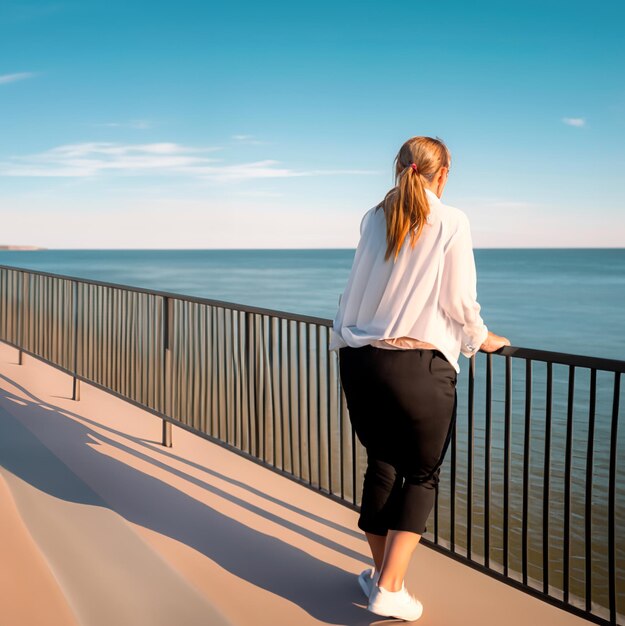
[[402, 405]]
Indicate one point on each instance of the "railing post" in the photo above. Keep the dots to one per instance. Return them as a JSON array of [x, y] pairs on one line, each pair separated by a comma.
[[76, 381], [20, 320], [166, 437]]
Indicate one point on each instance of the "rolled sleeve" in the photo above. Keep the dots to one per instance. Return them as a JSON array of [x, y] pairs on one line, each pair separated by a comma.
[[459, 289]]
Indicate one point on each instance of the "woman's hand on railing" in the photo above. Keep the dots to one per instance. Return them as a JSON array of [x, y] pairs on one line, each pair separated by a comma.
[[494, 342]]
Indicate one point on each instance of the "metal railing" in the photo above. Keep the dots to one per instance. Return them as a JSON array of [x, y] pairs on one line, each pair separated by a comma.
[[532, 489]]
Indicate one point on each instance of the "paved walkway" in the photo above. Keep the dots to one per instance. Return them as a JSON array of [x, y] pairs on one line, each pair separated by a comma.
[[102, 525]]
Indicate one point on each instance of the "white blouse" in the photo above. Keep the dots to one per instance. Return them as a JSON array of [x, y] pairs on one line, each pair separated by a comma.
[[429, 293]]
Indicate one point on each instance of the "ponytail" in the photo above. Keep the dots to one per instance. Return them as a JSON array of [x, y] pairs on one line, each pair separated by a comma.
[[406, 206]]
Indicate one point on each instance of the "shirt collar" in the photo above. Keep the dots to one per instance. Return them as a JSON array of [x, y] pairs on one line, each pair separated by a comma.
[[432, 196], [434, 200]]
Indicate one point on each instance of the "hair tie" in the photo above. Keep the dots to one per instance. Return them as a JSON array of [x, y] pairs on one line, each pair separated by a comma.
[[414, 167]]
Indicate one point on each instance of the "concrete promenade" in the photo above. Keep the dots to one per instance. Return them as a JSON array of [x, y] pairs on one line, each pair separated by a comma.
[[103, 526]]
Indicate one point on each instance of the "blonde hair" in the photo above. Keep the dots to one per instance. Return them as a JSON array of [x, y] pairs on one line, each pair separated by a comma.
[[406, 205]]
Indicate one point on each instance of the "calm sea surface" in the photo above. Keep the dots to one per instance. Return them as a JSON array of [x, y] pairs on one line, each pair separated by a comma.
[[567, 300]]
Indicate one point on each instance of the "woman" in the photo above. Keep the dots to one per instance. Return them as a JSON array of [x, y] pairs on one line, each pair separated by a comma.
[[408, 310]]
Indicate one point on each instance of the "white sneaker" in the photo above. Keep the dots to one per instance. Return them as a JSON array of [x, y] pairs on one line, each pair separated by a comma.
[[367, 579], [399, 604]]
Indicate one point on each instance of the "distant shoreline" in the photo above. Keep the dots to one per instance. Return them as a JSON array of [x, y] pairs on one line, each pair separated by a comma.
[[22, 248]]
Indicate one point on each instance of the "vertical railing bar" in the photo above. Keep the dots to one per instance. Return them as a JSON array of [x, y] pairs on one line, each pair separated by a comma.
[[470, 438], [50, 313], [268, 386], [105, 337], [40, 343], [452, 492], [114, 334], [611, 499], [166, 438], [340, 419], [192, 367], [308, 379], [283, 383], [225, 387], [97, 336], [56, 317], [89, 333], [300, 418], [182, 397], [290, 395], [214, 364], [37, 328], [318, 372], [75, 380], [546, 478], [353, 438], [209, 378], [20, 316], [144, 334], [260, 386], [588, 496], [207, 321], [487, 451], [124, 342], [37, 339], [263, 385], [190, 377], [234, 323], [506, 466], [567, 483], [212, 421], [68, 286], [274, 372], [57, 320], [526, 459], [220, 356], [329, 409], [436, 515], [250, 382], [130, 364], [306, 404], [258, 392]]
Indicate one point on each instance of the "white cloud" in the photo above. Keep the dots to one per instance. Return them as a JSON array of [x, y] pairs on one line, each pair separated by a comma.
[[5, 79], [95, 158], [509, 204], [248, 140], [90, 159], [136, 124], [257, 193], [574, 121]]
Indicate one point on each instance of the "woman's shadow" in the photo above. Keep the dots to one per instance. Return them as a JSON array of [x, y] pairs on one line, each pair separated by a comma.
[[326, 592]]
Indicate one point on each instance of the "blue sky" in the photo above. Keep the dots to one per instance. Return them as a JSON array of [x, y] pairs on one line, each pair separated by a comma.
[[232, 125]]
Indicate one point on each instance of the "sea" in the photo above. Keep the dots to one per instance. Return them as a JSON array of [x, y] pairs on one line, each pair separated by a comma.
[[565, 300]]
